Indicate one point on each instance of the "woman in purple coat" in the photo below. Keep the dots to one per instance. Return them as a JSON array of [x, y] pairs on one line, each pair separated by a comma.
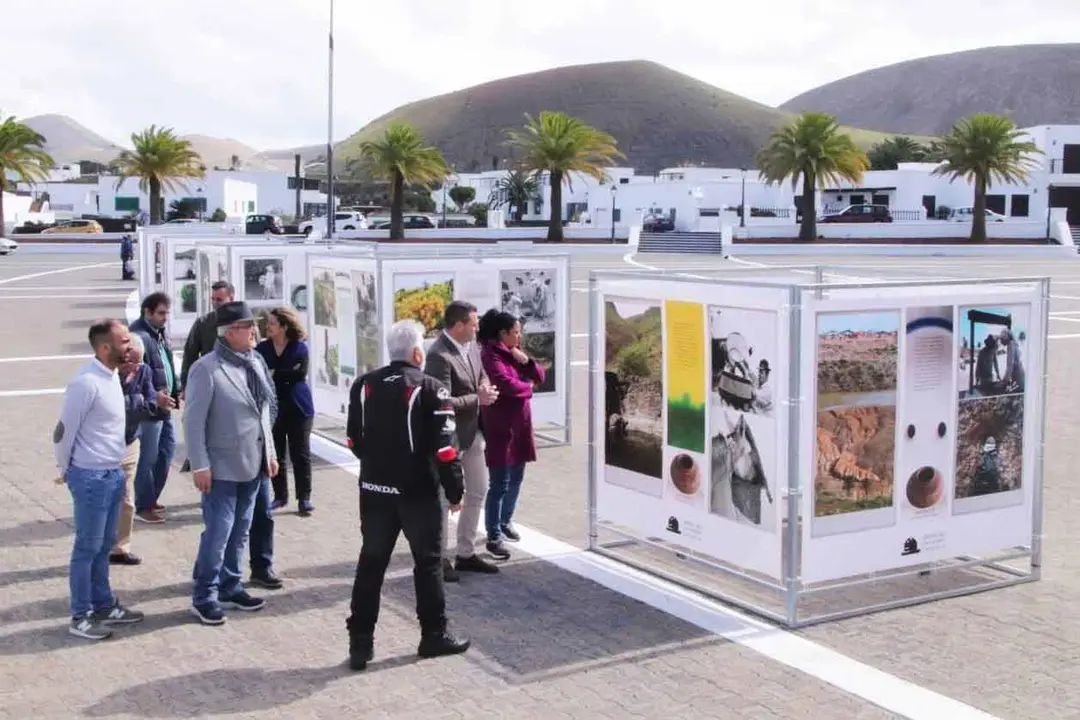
[[507, 423]]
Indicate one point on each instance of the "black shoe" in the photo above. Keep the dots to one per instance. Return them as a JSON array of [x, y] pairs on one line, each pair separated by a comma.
[[498, 550], [510, 533], [439, 644], [361, 651], [266, 580], [186, 467], [475, 564], [124, 558], [209, 613], [242, 601], [279, 503], [305, 508], [449, 574]]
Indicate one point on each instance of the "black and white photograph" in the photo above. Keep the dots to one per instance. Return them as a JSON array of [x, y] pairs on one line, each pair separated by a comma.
[[530, 296], [743, 344], [264, 280], [184, 265], [742, 360]]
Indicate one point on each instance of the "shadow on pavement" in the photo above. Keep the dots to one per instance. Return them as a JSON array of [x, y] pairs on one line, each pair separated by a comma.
[[36, 640], [218, 692], [534, 618]]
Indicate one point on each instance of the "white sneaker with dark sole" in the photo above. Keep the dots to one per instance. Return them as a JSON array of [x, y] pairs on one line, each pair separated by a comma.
[[88, 628]]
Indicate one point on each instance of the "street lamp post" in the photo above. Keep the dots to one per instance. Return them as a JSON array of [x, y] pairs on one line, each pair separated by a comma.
[[330, 132], [614, 191], [742, 201], [199, 196]]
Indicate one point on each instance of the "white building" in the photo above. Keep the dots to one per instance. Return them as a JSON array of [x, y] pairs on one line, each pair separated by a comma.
[[237, 193], [697, 196]]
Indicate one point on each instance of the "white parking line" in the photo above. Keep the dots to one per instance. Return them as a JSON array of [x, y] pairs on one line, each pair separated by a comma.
[[96, 296], [31, 393], [73, 268], [43, 358], [863, 681]]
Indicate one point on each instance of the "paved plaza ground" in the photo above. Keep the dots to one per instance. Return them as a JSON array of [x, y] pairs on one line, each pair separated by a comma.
[[549, 641]]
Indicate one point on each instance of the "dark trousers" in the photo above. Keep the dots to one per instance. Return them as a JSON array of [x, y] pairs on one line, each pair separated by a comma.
[[261, 536], [292, 438], [382, 517]]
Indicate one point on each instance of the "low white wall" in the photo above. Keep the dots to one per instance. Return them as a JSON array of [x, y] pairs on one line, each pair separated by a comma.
[[523, 233], [928, 229], [1060, 252]]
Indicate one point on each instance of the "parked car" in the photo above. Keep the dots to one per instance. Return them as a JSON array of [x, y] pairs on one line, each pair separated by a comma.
[[7, 246], [412, 222], [263, 225], [183, 221], [657, 223], [860, 214], [342, 221], [74, 227], [967, 214]]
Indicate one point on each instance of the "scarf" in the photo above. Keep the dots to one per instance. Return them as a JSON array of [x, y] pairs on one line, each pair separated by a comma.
[[256, 380]]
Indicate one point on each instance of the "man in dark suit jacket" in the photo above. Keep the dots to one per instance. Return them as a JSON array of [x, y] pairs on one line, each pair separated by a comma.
[[454, 360]]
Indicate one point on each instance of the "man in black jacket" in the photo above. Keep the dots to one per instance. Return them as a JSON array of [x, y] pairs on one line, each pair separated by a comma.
[[401, 427], [203, 337], [157, 437]]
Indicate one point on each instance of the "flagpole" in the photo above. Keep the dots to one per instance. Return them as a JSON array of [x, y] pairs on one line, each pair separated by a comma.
[[330, 209]]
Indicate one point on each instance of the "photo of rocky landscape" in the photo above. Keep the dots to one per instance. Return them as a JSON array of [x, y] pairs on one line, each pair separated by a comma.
[[856, 355], [634, 388], [856, 449], [989, 446], [857, 363]]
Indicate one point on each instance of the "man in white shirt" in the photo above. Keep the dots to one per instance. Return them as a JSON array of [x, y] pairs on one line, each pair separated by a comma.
[[89, 444]]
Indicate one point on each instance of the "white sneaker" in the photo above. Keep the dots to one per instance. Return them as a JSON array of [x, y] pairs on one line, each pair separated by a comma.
[[89, 628]]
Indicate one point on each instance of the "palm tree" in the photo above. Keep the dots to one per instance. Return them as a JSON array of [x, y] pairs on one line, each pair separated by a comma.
[[562, 145], [811, 148], [22, 155], [515, 189], [889, 153], [160, 160], [984, 149], [402, 157]]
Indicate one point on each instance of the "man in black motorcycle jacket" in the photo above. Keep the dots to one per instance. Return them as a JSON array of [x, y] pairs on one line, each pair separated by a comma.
[[401, 428]]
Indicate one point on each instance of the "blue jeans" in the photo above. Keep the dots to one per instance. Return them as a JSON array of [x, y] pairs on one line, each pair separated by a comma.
[[157, 445], [96, 495], [504, 486], [262, 530], [227, 510]]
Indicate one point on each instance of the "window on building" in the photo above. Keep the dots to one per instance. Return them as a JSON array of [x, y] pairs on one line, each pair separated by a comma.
[[709, 212], [858, 199], [617, 215], [198, 202], [251, 206], [996, 203], [880, 199], [1019, 206], [126, 204]]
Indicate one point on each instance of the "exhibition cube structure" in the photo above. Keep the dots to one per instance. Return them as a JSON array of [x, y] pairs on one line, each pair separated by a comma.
[[353, 300], [796, 439]]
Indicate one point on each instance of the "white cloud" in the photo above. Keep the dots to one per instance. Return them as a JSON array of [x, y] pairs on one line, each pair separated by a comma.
[[255, 70]]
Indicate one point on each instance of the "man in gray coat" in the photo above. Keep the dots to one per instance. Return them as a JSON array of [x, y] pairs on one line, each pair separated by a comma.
[[228, 423]]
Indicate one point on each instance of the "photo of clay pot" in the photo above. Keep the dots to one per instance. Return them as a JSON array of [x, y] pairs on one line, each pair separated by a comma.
[[685, 475], [925, 488]]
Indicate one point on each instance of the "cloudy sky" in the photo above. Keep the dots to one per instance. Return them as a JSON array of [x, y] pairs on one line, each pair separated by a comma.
[[255, 70]]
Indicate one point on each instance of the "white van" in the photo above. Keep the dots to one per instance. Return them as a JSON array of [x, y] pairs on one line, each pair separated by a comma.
[[966, 214]]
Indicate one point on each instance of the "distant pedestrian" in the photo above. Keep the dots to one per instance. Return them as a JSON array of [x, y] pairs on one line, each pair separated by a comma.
[[89, 446], [228, 425], [127, 254]]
